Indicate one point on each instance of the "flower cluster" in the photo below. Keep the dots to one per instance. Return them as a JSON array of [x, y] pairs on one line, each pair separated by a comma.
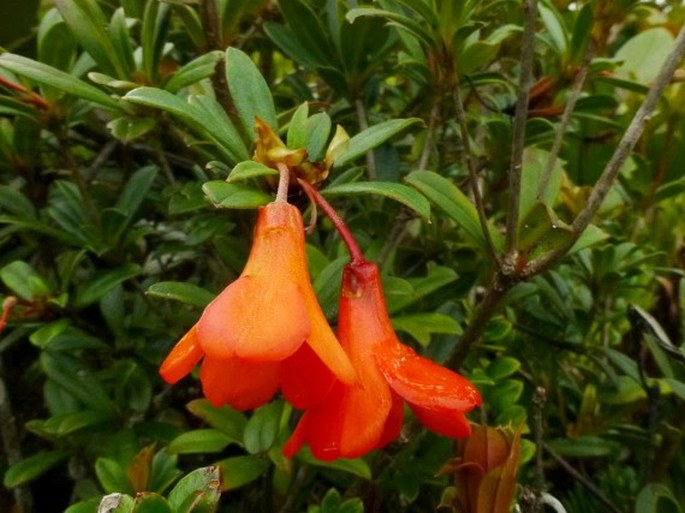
[[266, 331]]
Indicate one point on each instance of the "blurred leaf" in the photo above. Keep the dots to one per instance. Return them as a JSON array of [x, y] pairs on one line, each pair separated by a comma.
[[113, 476], [356, 467], [74, 377], [32, 467], [198, 69], [136, 189], [230, 421], [583, 447], [115, 503], [653, 496], [436, 278], [502, 367], [188, 293], [237, 471], [151, 503], [262, 428], [200, 441], [395, 191], [22, 279], [103, 283]]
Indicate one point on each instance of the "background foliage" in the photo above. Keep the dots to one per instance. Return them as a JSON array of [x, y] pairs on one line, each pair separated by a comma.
[[120, 121]]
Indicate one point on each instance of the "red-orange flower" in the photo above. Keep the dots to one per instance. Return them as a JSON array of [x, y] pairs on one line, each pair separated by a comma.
[[266, 329], [354, 419]]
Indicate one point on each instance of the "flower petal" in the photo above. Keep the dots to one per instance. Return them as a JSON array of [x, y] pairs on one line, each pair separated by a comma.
[[423, 382], [182, 358], [242, 384], [305, 380], [255, 318], [393, 424], [444, 421]]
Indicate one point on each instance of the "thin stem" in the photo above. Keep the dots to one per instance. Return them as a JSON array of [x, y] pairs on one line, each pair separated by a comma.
[[356, 255], [573, 96], [518, 140], [283, 183], [610, 172], [539, 400], [364, 124], [589, 485], [494, 294], [473, 173]]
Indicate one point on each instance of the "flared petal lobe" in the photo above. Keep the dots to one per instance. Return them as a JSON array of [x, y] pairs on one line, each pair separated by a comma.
[[183, 357], [354, 420], [242, 384]]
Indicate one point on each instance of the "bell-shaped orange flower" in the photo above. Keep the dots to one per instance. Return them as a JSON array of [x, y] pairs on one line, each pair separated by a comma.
[[266, 329], [354, 419]]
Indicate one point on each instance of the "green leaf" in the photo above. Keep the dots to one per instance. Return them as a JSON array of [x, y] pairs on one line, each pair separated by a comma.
[[437, 277], [127, 128], [112, 476], [372, 137], [225, 418], [15, 202], [398, 192], [75, 378], [194, 71], [534, 162], [502, 367], [395, 19], [188, 293], [591, 236], [91, 505], [422, 325], [584, 447], [357, 467], [241, 470], [229, 195], [153, 32], [201, 485], [555, 27], [89, 27], [115, 503], [22, 279], [249, 169], [32, 467], [581, 33], [644, 54], [199, 114], [100, 285], [147, 502], [262, 428], [654, 498], [200, 441], [136, 190], [505, 394], [297, 128], [250, 93], [65, 423], [446, 196], [318, 129], [46, 75]]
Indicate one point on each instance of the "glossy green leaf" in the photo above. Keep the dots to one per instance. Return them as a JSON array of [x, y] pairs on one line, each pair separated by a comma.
[[502, 367], [147, 502], [184, 292], [200, 486], [112, 476], [115, 503], [372, 137], [32, 467], [46, 75], [250, 93], [200, 441], [230, 195], [230, 421], [250, 169], [297, 128], [422, 325], [318, 129], [262, 428], [238, 471], [398, 192], [446, 196]]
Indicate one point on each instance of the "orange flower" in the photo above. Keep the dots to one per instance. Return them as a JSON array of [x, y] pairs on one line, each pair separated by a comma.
[[355, 419], [252, 336]]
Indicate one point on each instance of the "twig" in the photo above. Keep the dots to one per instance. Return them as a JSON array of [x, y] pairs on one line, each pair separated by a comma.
[[494, 294], [539, 400], [473, 174], [594, 490], [428, 144], [573, 96], [610, 172], [518, 139], [364, 124]]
